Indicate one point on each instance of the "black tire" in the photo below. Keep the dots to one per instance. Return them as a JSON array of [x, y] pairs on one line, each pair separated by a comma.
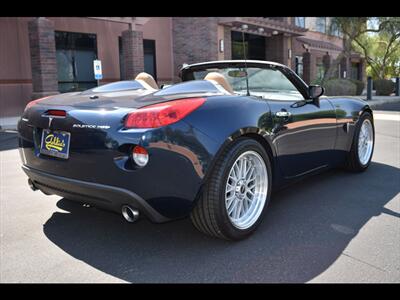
[[353, 162], [209, 215]]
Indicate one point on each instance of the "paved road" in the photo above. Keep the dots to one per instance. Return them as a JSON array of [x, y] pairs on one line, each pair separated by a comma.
[[335, 227]]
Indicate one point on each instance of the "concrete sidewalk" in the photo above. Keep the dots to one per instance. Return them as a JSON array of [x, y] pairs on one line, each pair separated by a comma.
[[378, 100], [10, 123]]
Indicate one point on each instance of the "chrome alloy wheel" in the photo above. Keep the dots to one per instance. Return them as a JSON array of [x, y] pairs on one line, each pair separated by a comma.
[[365, 142], [246, 189]]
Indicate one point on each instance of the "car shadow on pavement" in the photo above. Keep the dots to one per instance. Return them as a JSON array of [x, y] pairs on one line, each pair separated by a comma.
[[8, 140], [306, 228]]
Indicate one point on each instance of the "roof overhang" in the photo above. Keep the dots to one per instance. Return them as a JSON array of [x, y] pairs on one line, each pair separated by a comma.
[[270, 26], [319, 45], [134, 23], [356, 57]]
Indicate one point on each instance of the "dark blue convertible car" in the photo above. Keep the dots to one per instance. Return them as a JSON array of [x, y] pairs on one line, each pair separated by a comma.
[[213, 146]]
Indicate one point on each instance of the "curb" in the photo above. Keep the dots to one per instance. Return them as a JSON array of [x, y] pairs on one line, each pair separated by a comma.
[[374, 103], [8, 127], [9, 123]]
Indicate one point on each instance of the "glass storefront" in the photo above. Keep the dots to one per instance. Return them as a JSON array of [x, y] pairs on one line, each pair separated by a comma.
[[75, 53], [254, 45]]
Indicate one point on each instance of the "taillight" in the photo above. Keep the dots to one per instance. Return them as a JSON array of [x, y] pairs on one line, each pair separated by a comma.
[[32, 103], [140, 156], [162, 114]]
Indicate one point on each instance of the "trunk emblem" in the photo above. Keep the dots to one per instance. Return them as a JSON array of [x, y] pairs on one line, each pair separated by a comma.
[[50, 120], [51, 114]]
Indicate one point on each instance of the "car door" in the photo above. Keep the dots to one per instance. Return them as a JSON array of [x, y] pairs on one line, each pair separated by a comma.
[[304, 130]]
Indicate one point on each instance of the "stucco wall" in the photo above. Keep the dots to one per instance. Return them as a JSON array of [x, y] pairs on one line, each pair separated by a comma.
[[160, 29], [15, 70]]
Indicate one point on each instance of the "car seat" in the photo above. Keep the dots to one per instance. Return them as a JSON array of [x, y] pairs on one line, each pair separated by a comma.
[[147, 80], [220, 80]]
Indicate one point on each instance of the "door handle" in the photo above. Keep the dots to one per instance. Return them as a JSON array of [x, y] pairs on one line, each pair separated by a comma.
[[283, 114]]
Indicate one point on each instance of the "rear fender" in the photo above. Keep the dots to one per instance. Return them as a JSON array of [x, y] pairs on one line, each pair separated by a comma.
[[248, 132], [348, 112]]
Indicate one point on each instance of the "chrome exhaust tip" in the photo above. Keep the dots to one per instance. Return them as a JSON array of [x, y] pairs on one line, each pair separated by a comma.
[[32, 185], [130, 214]]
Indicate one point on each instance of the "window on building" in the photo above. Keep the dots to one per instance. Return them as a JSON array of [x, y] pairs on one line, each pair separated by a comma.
[[320, 73], [149, 51], [320, 24], [254, 45], [299, 65], [355, 71], [335, 30], [300, 21], [75, 53]]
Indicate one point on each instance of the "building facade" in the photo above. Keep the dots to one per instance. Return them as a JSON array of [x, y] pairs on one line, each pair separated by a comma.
[[41, 56]]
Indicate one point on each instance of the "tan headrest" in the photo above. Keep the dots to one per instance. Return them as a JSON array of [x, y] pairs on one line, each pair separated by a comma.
[[220, 79], [147, 78]]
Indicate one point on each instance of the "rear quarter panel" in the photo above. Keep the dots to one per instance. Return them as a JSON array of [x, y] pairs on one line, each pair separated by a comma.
[[348, 111], [225, 118]]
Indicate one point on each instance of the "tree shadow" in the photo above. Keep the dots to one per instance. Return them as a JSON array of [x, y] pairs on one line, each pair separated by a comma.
[[306, 228]]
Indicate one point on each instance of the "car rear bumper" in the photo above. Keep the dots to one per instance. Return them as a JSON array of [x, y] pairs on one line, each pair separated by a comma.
[[100, 195], [100, 170]]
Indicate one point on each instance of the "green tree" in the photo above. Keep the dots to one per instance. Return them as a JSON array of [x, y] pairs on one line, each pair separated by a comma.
[[382, 53], [377, 38], [350, 27]]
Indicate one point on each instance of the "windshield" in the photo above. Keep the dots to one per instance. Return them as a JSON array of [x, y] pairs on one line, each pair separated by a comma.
[[264, 82]]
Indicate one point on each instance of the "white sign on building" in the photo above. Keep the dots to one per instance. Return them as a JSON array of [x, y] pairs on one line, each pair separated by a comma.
[[97, 69]]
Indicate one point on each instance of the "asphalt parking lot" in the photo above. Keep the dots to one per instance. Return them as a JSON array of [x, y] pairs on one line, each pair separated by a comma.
[[334, 227]]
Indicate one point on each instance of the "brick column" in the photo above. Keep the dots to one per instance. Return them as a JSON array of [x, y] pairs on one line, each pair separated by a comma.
[[307, 67], [195, 39], [132, 53], [43, 58], [326, 61]]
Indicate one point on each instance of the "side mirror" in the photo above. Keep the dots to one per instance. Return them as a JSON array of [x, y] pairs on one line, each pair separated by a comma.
[[315, 91]]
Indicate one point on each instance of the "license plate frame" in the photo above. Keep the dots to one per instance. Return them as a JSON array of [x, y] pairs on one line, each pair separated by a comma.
[[57, 145]]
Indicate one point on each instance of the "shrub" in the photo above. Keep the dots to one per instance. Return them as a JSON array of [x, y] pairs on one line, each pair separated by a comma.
[[383, 87], [360, 86], [340, 87], [317, 81]]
